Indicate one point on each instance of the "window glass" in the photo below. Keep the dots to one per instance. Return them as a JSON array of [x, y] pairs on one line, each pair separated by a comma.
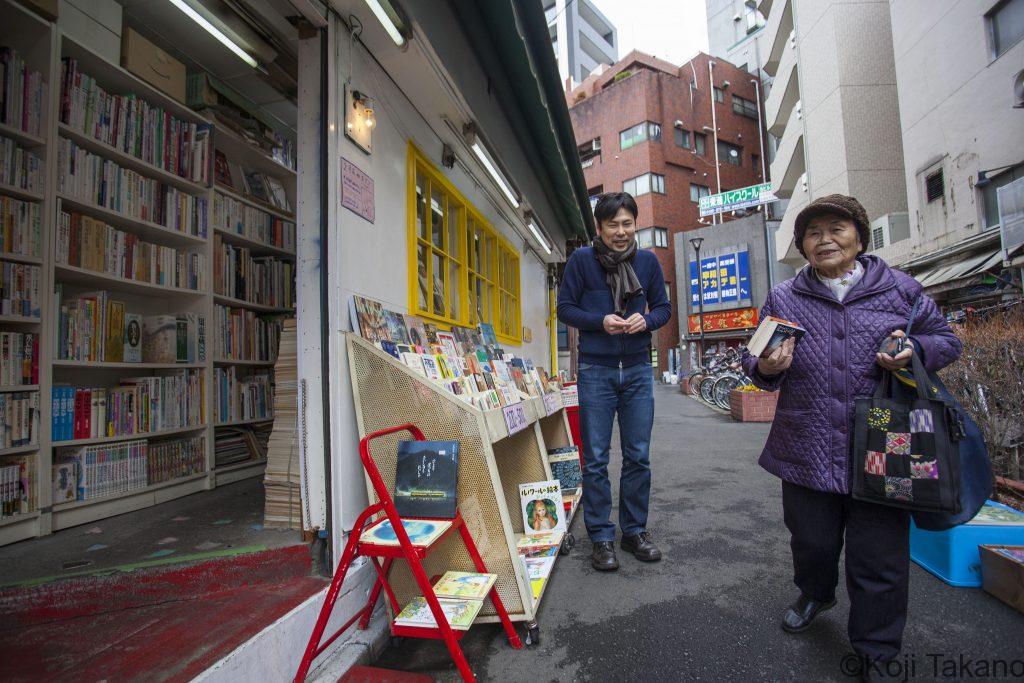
[[645, 238], [654, 132], [988, 193], [1006, 25], [719, 95], [683, 138], [644, 184], [744, 107], [730, 154], [698, 191], [633, 135], [699, 143]]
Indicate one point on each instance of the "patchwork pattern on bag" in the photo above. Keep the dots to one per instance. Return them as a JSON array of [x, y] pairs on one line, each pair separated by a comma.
[[878, 418], [875, 463], [928, 469], [922, 421], [897, 443], [899, 488]]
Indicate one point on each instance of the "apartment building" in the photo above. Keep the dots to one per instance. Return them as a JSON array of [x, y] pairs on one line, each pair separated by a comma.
[[581, 37]]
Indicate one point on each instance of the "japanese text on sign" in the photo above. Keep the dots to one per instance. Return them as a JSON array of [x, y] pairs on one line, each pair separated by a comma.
[[515, 418], [357, 190], [733, 200], [552, 403], [724, 278], [539, 488]]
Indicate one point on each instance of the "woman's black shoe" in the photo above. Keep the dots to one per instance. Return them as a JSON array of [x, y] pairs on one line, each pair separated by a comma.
[[802, 612], [603, 556]]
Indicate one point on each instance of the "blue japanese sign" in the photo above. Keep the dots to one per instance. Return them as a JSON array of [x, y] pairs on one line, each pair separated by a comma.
[[725, 278]]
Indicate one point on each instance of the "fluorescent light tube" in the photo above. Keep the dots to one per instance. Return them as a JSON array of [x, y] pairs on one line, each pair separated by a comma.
[[386, 20], [215, 32], [498, 177], [540, 238]]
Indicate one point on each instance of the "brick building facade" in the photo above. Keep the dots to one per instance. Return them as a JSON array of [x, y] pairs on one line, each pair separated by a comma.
[[648, 116]]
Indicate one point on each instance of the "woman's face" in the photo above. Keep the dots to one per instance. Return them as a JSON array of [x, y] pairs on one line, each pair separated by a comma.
[[542, 510], [831, 244]]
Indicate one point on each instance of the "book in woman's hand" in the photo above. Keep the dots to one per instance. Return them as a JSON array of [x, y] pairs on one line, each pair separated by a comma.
[[771, 334]]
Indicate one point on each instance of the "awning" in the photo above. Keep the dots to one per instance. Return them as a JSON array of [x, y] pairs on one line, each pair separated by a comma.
[[512, 43], [973, 265]]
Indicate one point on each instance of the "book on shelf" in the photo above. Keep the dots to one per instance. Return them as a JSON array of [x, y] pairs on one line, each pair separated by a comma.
[[19, 226], [20, 167], [240, 218], [19, 419], [137, 405], [263, 280], [459, 613], [133, 125], [22, 93], [17, 485], [19, 358], [242, 334], [132, 337], [93, 179], [242, 443], [771, 334], [464, 585], [242, 395], [422, 532], [565, 466], [221, 170], [177, 338], [548, 539], [541, 505], [65, 482], [266, 189], [89, 243], [105, 469], [426, 474], [538, 567], [168, 459], [19, 289]]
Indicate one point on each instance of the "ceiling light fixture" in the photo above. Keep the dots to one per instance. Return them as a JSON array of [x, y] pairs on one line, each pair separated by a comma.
[[487, 159], [389, 17], [540, 238], [215, 32]]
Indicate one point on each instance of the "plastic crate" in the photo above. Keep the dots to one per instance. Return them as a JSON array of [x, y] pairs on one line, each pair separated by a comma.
[[953, 556]]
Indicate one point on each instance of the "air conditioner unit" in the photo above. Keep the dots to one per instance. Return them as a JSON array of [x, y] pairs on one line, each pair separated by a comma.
[[888, 229], [597, 144]]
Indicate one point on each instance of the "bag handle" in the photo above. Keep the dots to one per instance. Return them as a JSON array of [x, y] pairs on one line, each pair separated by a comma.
[[913, 314], [887, 386]]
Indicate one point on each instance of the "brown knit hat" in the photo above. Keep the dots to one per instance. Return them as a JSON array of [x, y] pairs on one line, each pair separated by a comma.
[[839, 204]]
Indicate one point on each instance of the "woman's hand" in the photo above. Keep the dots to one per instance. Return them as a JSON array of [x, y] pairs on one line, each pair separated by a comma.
[[779, 361], [901, 359]]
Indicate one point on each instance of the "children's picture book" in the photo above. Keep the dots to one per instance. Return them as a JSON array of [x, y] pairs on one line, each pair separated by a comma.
[[771, 334], [464, 585], [421, 532], [459, 613], [397, 330], [565, 465], [426, 475], [371, 320], [448, 343], [430, 330], [414, 361], [541, 551], [545, 540], [541, 505], [539, 567], [997, 514], [430, 366], [487, 334], [417, 332]]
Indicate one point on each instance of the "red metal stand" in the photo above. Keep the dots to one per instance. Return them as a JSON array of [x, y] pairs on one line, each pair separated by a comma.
[[413, 554]]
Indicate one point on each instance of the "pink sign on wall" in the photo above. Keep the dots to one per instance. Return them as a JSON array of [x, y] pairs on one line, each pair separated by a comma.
[[356, 190]]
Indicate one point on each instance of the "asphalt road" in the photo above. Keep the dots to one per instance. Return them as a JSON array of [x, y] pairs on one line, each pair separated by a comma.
[[710, 609]]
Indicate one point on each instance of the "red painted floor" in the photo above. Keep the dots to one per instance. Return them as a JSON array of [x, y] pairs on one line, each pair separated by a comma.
[[166, 625]]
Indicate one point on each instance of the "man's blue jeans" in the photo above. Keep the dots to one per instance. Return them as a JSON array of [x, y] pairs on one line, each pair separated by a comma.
[[605, 391]]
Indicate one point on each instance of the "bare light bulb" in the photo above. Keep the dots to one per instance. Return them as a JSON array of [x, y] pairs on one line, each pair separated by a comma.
[[368, 118]]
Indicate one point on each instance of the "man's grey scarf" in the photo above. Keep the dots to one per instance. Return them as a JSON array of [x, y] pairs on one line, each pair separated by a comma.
[[618, 269]]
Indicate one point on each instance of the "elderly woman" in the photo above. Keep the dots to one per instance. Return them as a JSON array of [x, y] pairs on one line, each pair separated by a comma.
[[849, 303]]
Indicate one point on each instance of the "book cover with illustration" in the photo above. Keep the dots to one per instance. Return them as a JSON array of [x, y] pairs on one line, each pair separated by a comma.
[[541, 505], [487, 334], [371, 320], [545, 540], [459, 613], [465, 585], [565, 465], [397, 330], [417, 332], [426, 475], [771, 334], [421, 532]]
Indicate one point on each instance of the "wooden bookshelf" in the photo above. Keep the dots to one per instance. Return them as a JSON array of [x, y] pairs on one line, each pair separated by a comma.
[[42, 44], [250, 421]]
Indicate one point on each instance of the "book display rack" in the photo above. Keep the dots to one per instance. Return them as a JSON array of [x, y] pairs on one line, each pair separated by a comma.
[[493, 462], [123, 348]]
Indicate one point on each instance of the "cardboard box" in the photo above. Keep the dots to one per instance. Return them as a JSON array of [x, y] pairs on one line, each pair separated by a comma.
[[47, 9], [153, 65], [1003, 576]]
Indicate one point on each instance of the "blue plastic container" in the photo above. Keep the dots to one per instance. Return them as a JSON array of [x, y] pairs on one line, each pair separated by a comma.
[[952, 555]]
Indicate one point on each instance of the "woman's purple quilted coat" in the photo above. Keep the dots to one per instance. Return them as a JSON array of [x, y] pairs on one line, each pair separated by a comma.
[[834, 363]]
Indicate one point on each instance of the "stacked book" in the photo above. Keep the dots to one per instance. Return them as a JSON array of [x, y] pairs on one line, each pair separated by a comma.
[[132, 125], [242, 334], [20, 167], [460, 595], [91, 472], [240, 218], [19, 227], [19, 358], [19, 290], [233, 445], [96, 180], [19, 419], [21, 93], [173, 458], [282, 481], [17, 485], [238, 396], [89, 243], [262, 280], [137, 406]]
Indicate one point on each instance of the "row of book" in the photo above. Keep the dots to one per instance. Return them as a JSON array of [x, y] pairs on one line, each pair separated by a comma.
[[261, 280], [133, 125], [19, 289], [242, 443], [239, 218], [241, 396], [138, 405], [19, 358], [19, 227], [19, 419], [86, 242], [21, 94], [242, 334], [94, 179], [20, 167], [172, 458], [17, 485], [254, 184]]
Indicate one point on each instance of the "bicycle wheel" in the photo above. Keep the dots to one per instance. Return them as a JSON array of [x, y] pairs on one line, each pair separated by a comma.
[[706, 385], [695, 384], [722, 388]]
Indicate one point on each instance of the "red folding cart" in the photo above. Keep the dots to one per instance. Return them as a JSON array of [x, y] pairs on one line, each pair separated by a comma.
[[411, 553]]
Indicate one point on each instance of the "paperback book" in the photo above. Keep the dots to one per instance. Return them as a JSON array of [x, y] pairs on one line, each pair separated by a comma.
[[426, 475], [464, 585], [565, 466], [771, 334], [421, 532], [459, 613], [541, 505]]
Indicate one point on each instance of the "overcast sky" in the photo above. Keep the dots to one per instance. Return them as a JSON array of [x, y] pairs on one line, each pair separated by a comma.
[[674, 30]]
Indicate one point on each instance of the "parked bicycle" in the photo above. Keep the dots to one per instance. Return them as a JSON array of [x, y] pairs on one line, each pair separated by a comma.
[[722, 373]]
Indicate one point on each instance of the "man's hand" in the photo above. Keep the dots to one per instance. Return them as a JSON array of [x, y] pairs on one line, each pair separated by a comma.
[[779, 361], [635, 323], [613, 324], [901, 359]]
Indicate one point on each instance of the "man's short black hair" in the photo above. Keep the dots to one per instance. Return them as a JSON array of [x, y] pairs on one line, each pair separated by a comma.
[[610, 203]]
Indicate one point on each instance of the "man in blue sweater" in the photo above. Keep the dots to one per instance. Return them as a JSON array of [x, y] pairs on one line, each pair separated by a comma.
[[614, 294]]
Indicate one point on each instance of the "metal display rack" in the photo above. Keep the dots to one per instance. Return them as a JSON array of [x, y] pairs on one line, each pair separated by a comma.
[[492, 464]]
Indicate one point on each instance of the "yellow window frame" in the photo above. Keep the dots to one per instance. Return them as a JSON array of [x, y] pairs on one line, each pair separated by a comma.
[[498, 271]]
